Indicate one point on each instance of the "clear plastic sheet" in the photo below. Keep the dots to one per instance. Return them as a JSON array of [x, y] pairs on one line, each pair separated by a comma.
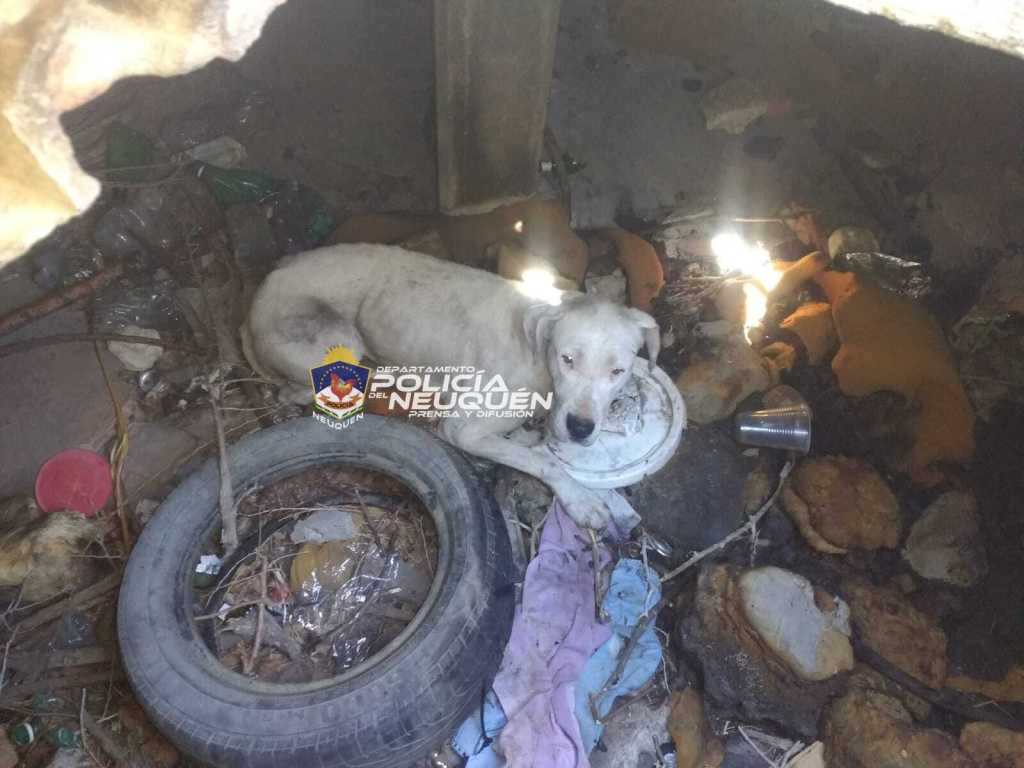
[[152, 305], [344, 576]]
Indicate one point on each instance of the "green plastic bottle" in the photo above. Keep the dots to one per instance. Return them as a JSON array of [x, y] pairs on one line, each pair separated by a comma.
[[60, 736], [237, 185], [40, 727]]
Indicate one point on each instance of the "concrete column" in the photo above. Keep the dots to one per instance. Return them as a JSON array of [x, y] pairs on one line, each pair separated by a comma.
[[493, 63]]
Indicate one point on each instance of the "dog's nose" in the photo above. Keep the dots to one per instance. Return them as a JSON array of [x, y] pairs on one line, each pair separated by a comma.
[[579, 429]]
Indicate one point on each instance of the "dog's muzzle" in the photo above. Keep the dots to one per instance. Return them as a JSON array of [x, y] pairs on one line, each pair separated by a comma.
[[579, 429]]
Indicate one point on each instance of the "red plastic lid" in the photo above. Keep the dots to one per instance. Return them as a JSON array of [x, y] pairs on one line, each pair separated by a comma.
[[74, 479]]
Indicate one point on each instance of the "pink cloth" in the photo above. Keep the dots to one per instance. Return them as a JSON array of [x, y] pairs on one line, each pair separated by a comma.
[[554, 633]]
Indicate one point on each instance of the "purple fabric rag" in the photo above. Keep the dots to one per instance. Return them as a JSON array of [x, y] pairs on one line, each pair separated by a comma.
[[554, 633]]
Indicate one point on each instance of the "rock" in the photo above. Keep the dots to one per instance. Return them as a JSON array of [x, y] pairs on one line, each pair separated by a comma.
[[695, 741], [713, 386], [889, 342], [898, 632], [812, 322], [612, 287], [945, 544], [871, 679], [992, 746], [740, 672], [632, 736], [1003, 292], [851, 240], [840, 503], [812, 757], [806, 627], [697, 498], [867, 729], [136, 357]]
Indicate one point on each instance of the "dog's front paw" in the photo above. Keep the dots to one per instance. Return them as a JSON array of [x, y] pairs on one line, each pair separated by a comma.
[[586, 508]]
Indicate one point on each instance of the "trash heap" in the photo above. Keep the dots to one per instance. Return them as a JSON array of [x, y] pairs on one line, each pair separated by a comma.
[[160, 267]]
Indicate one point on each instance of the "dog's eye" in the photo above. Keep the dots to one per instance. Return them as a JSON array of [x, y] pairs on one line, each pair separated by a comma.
[[567, 359], [618, 371]]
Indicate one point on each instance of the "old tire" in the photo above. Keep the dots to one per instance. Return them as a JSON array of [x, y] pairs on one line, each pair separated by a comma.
[[386, 712]]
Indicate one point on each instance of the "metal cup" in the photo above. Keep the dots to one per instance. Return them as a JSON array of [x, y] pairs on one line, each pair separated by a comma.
[[787, 427]]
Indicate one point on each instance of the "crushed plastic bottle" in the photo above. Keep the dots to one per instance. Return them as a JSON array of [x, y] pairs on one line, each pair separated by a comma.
[[300, 216]]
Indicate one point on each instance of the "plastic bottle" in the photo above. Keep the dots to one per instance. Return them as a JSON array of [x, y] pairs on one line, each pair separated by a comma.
[[237, 185], [39, 726]]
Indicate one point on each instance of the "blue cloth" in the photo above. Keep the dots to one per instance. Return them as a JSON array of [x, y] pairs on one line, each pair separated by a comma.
[[474, 743], [634, 590]]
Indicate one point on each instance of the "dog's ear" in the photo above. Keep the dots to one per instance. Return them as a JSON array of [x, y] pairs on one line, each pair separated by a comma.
[[652, 335], [538, 320]]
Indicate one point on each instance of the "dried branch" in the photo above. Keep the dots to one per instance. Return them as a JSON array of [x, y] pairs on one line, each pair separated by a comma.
[[744, 529]]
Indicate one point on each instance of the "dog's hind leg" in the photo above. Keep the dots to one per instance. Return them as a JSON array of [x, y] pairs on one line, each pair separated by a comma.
[[288, 342]]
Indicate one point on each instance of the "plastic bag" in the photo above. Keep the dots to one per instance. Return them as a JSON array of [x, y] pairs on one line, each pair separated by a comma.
[[147, 306], [899, 275]]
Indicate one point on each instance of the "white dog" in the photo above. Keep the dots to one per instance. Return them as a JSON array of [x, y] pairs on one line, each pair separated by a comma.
[[407, 309]]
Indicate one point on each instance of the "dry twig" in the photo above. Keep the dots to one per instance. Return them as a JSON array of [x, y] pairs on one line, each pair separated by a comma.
[[71, 338], [750, 525], [257, 639]]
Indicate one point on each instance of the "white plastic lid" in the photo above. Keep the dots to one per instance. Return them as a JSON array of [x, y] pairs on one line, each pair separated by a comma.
[[616, 460]]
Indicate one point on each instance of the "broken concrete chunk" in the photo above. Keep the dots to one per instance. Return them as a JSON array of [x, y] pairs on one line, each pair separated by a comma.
[[945, 544], [898, 632], [695, 741], [136, 357], [867, 729], [712, 387], [812, 757], [992, 746], [740, 671], [840, 503], [808, 628], [871, 679]]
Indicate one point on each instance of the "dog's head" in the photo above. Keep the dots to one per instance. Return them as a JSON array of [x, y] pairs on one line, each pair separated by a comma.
[[589, 345]]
